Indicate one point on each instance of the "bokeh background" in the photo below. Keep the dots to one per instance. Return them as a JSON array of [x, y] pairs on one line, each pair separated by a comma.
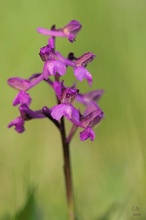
[[109, 173]]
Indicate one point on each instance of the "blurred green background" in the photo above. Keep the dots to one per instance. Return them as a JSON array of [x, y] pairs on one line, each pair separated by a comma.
[[109, 173]]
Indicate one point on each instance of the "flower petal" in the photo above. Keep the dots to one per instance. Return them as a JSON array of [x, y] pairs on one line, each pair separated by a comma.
[[45, 52], [92, 115], [87, 98], [92, 106], [85, 59], [87, 133], [81, 73], [28, 114], [92, 119], [22, 98], [18, 83], [51, 67], [72, 29], [18, 123], [67, 110], [68, 95]]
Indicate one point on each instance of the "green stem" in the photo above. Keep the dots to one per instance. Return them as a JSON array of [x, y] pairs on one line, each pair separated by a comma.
[[67, 166], [67, 172]]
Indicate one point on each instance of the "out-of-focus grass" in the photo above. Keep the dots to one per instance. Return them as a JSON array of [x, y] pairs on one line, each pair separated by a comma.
[[109, 173]]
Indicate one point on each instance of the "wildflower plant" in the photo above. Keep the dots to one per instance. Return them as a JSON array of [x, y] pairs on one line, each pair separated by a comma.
[[54, 68]]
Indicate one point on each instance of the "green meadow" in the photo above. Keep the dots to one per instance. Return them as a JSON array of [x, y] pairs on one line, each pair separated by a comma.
[[109, 174]]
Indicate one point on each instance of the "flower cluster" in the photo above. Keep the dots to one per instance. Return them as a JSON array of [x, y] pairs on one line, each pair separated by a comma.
[[54, 64]]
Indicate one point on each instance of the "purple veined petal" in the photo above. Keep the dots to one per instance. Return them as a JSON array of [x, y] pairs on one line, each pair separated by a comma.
[[92, 119], [72, 29], [25, 112], [65, 94], [93, 111], [59, 67], [81, 73], [92, 106], [25, 84], [45, 52], [97, 119], [22, 98], [87, 133], [88, 97], [28, 114], [51, 67], [87, 120], [18, 123], [85, 59], [18, 83], [68, 95], [67, 110]]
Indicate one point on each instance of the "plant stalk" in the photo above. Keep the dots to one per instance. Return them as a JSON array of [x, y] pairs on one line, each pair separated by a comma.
[[67, 173]]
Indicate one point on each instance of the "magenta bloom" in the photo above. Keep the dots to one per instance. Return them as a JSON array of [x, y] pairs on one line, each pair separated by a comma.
[[67, 110], [22, 98], [84, 121], [86, 98], [51, 67], [91, 116], [26, 114], [87, 133], [70, 31], [81, 73], [65, 94], [18, 123], [79, 65], [54, 68]]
